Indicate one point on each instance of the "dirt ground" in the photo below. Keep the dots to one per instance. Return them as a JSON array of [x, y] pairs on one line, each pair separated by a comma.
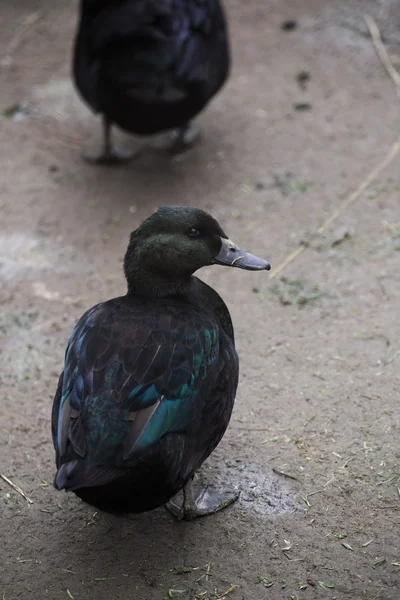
[[319, 345]]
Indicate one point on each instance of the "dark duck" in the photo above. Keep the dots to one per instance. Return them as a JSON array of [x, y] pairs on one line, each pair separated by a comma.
[[149, 66], [150, 378]]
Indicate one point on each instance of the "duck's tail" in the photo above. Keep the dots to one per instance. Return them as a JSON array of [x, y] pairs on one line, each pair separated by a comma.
[[77, 474]]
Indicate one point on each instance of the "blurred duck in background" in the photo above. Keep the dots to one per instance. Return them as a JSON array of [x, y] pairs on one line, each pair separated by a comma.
[[149, 66]]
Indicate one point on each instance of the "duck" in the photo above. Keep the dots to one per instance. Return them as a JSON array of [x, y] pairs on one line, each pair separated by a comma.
[[150, 378], [149, 66]]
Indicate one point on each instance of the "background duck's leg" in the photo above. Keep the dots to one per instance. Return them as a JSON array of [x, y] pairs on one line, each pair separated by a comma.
[[178, 140], [109, 155], [207, 502]]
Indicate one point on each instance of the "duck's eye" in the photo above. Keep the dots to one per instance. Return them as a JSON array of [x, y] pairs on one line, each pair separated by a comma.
[[193, 232]]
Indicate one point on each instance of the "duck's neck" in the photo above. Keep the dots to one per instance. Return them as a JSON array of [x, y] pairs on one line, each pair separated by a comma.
[[150, 285]]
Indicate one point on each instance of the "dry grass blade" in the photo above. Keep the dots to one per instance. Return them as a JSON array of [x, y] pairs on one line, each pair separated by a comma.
[[292, 256], [395, 76], [21, 30], [381, 50], [347, 546], [394, 150], [379, 561], [16, 488], [181, 570], [228, 591]]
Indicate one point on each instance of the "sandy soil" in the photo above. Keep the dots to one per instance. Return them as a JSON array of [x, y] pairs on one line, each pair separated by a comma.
[[319, 348]]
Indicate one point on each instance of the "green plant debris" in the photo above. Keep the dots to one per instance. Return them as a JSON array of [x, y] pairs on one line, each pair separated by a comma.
[[340, 535], [391, 358], [326, 585], [226, 592], [395, 564], [366, 544], [296, 292], [394, 231], [283, 474], [347, 546], [364, 335], [181, 570], [273, 439], [16, 111], [378, 562], [289, 184], [175, 593], [266, 581], [302, 585], [392, 228], [69, 594], [388, 480]]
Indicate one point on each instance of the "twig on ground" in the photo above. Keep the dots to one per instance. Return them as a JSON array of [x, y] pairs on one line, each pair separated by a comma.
[[16, 488], [381, 50]]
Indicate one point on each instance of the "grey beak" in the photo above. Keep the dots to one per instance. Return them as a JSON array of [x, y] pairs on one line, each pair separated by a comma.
[[232, 256]]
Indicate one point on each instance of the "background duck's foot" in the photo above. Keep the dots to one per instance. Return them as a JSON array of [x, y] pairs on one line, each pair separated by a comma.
[[178, 140], [208, 502], [109, 156]]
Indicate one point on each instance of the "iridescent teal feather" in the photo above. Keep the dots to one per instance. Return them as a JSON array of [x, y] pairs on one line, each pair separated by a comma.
[[108, 405]]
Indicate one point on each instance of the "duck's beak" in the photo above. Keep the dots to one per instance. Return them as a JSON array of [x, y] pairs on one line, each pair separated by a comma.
[[232, 256]]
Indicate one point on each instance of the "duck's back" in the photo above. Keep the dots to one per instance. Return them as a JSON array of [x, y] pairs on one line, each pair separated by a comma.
[[146, 395], [151, 65]]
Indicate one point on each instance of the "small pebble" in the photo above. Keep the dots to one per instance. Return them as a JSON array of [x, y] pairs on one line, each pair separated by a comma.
[[302, 106], [289, 25]]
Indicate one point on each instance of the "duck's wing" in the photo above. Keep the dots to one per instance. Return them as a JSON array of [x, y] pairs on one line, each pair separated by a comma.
[[131, 376]]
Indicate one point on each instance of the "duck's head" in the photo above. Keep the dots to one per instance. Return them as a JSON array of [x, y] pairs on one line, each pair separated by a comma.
[[175, 241]]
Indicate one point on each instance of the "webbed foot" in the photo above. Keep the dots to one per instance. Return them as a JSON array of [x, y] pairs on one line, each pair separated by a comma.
[[208, 502]]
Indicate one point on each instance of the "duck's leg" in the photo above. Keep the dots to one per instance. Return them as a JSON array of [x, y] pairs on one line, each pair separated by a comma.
[[109, 155], [178, 140], [206, 503]]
